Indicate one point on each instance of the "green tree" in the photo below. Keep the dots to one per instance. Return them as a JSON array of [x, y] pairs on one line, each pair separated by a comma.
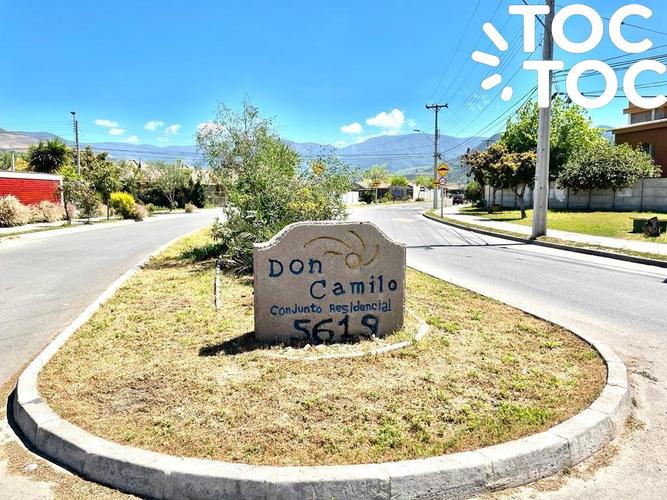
[[78, 193], [47, 157], [376, 176], [170, 178], [571, 131], [266, 183], [102, 173], [482, 169], [500, 168], [474, 192], [606, 166]]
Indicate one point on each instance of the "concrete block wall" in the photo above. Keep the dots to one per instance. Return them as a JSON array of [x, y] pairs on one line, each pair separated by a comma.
[[648, 195]]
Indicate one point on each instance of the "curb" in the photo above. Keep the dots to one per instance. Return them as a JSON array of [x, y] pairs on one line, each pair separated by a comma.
[[558, 246], [459, 475]]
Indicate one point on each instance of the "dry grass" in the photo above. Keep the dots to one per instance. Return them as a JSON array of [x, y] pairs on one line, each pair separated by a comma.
[[157, 368], [33, 477]]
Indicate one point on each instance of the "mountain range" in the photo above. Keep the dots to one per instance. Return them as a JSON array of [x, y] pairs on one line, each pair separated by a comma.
[[408, 154]]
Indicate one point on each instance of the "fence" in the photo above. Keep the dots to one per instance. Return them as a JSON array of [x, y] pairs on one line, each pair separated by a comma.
[[645, 195]]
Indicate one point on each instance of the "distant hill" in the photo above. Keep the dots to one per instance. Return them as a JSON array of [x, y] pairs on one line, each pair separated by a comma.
[[409, 154]]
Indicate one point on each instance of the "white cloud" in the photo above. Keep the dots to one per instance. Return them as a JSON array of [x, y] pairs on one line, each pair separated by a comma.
[[390, 122], [352, 128], [153, 125], [106, 123], [172, 129], [116, 131], [133, 139]]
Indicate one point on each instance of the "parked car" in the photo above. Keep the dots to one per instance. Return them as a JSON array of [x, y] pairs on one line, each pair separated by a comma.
[[458, 199]]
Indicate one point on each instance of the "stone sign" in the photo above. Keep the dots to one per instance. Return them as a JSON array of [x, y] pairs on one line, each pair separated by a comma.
[[328, 282]]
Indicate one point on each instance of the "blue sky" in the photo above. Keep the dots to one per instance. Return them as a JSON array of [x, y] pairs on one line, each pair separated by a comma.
[[329, 72]]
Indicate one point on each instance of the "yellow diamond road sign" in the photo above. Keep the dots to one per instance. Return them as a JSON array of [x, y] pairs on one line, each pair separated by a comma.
[[443, 169]]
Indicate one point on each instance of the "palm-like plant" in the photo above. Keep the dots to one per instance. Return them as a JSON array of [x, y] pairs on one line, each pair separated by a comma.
[[47, 157]]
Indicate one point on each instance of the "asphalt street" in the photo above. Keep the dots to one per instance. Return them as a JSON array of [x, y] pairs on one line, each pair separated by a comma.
[[621, 304], [48, 280]]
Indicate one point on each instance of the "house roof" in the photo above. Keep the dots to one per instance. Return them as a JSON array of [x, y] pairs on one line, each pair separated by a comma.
[[640, 127]]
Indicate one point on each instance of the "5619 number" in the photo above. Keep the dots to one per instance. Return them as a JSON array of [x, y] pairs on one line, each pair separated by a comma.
[[321, 332]]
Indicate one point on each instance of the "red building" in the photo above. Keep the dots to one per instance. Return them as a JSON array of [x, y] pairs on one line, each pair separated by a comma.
[[647, 128], [30, 188]]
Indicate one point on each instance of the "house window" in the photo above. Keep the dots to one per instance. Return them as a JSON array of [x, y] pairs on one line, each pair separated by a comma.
[[649, 149], [645, 116], [660, 114]]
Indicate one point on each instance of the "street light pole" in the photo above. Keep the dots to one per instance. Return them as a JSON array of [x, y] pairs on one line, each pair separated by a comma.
[[436, 153], [541, 190], [76, 140]]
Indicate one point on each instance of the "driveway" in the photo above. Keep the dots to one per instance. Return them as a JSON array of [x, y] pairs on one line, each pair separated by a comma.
[[621, 304], [47, 280]]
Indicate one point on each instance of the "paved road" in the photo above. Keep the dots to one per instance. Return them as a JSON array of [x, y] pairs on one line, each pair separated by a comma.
[[48, 281], [622, 304]]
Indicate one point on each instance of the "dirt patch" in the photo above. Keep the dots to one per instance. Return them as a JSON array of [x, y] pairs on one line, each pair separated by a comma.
[[157, 368]]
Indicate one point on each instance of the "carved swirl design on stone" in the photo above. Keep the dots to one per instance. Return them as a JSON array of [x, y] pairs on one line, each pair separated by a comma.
[[355, 257]]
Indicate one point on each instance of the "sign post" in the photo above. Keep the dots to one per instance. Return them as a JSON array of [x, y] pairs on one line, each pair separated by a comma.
[[443, 170], [442, 183]]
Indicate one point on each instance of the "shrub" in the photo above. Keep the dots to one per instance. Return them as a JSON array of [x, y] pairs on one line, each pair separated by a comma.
[[48, 212], [266, 185], [140, 212], [151, 208], [189, 208], [366, 197], [387, 198], [474, 192], [13, 212], [123, 204]]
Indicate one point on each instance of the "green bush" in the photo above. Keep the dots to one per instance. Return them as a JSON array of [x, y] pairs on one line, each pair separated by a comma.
[[387, 198], [151, 208], [123, 204], [474, 192], [366, 197], [48, 212], [189, 208], [267, 185], [13, 212]]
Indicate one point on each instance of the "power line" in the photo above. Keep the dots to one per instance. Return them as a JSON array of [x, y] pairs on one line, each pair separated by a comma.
[[467, 61], [458, 46]]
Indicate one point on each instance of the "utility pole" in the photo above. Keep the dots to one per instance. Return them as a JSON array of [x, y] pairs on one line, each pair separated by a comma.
[[436, 153], [541, 190], [76, 140]]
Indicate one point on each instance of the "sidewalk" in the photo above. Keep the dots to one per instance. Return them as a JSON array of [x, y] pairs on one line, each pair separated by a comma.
[[42, 226], [587, 239], [45, 230]]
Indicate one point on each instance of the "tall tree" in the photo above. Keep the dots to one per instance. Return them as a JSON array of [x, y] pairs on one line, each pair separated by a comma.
[[170, 178], [47, 157], [102, 173], [376, 175], [571, 131]]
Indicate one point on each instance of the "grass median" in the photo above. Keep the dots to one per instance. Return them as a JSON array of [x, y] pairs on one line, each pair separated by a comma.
[[158, 368], [608, 224]]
